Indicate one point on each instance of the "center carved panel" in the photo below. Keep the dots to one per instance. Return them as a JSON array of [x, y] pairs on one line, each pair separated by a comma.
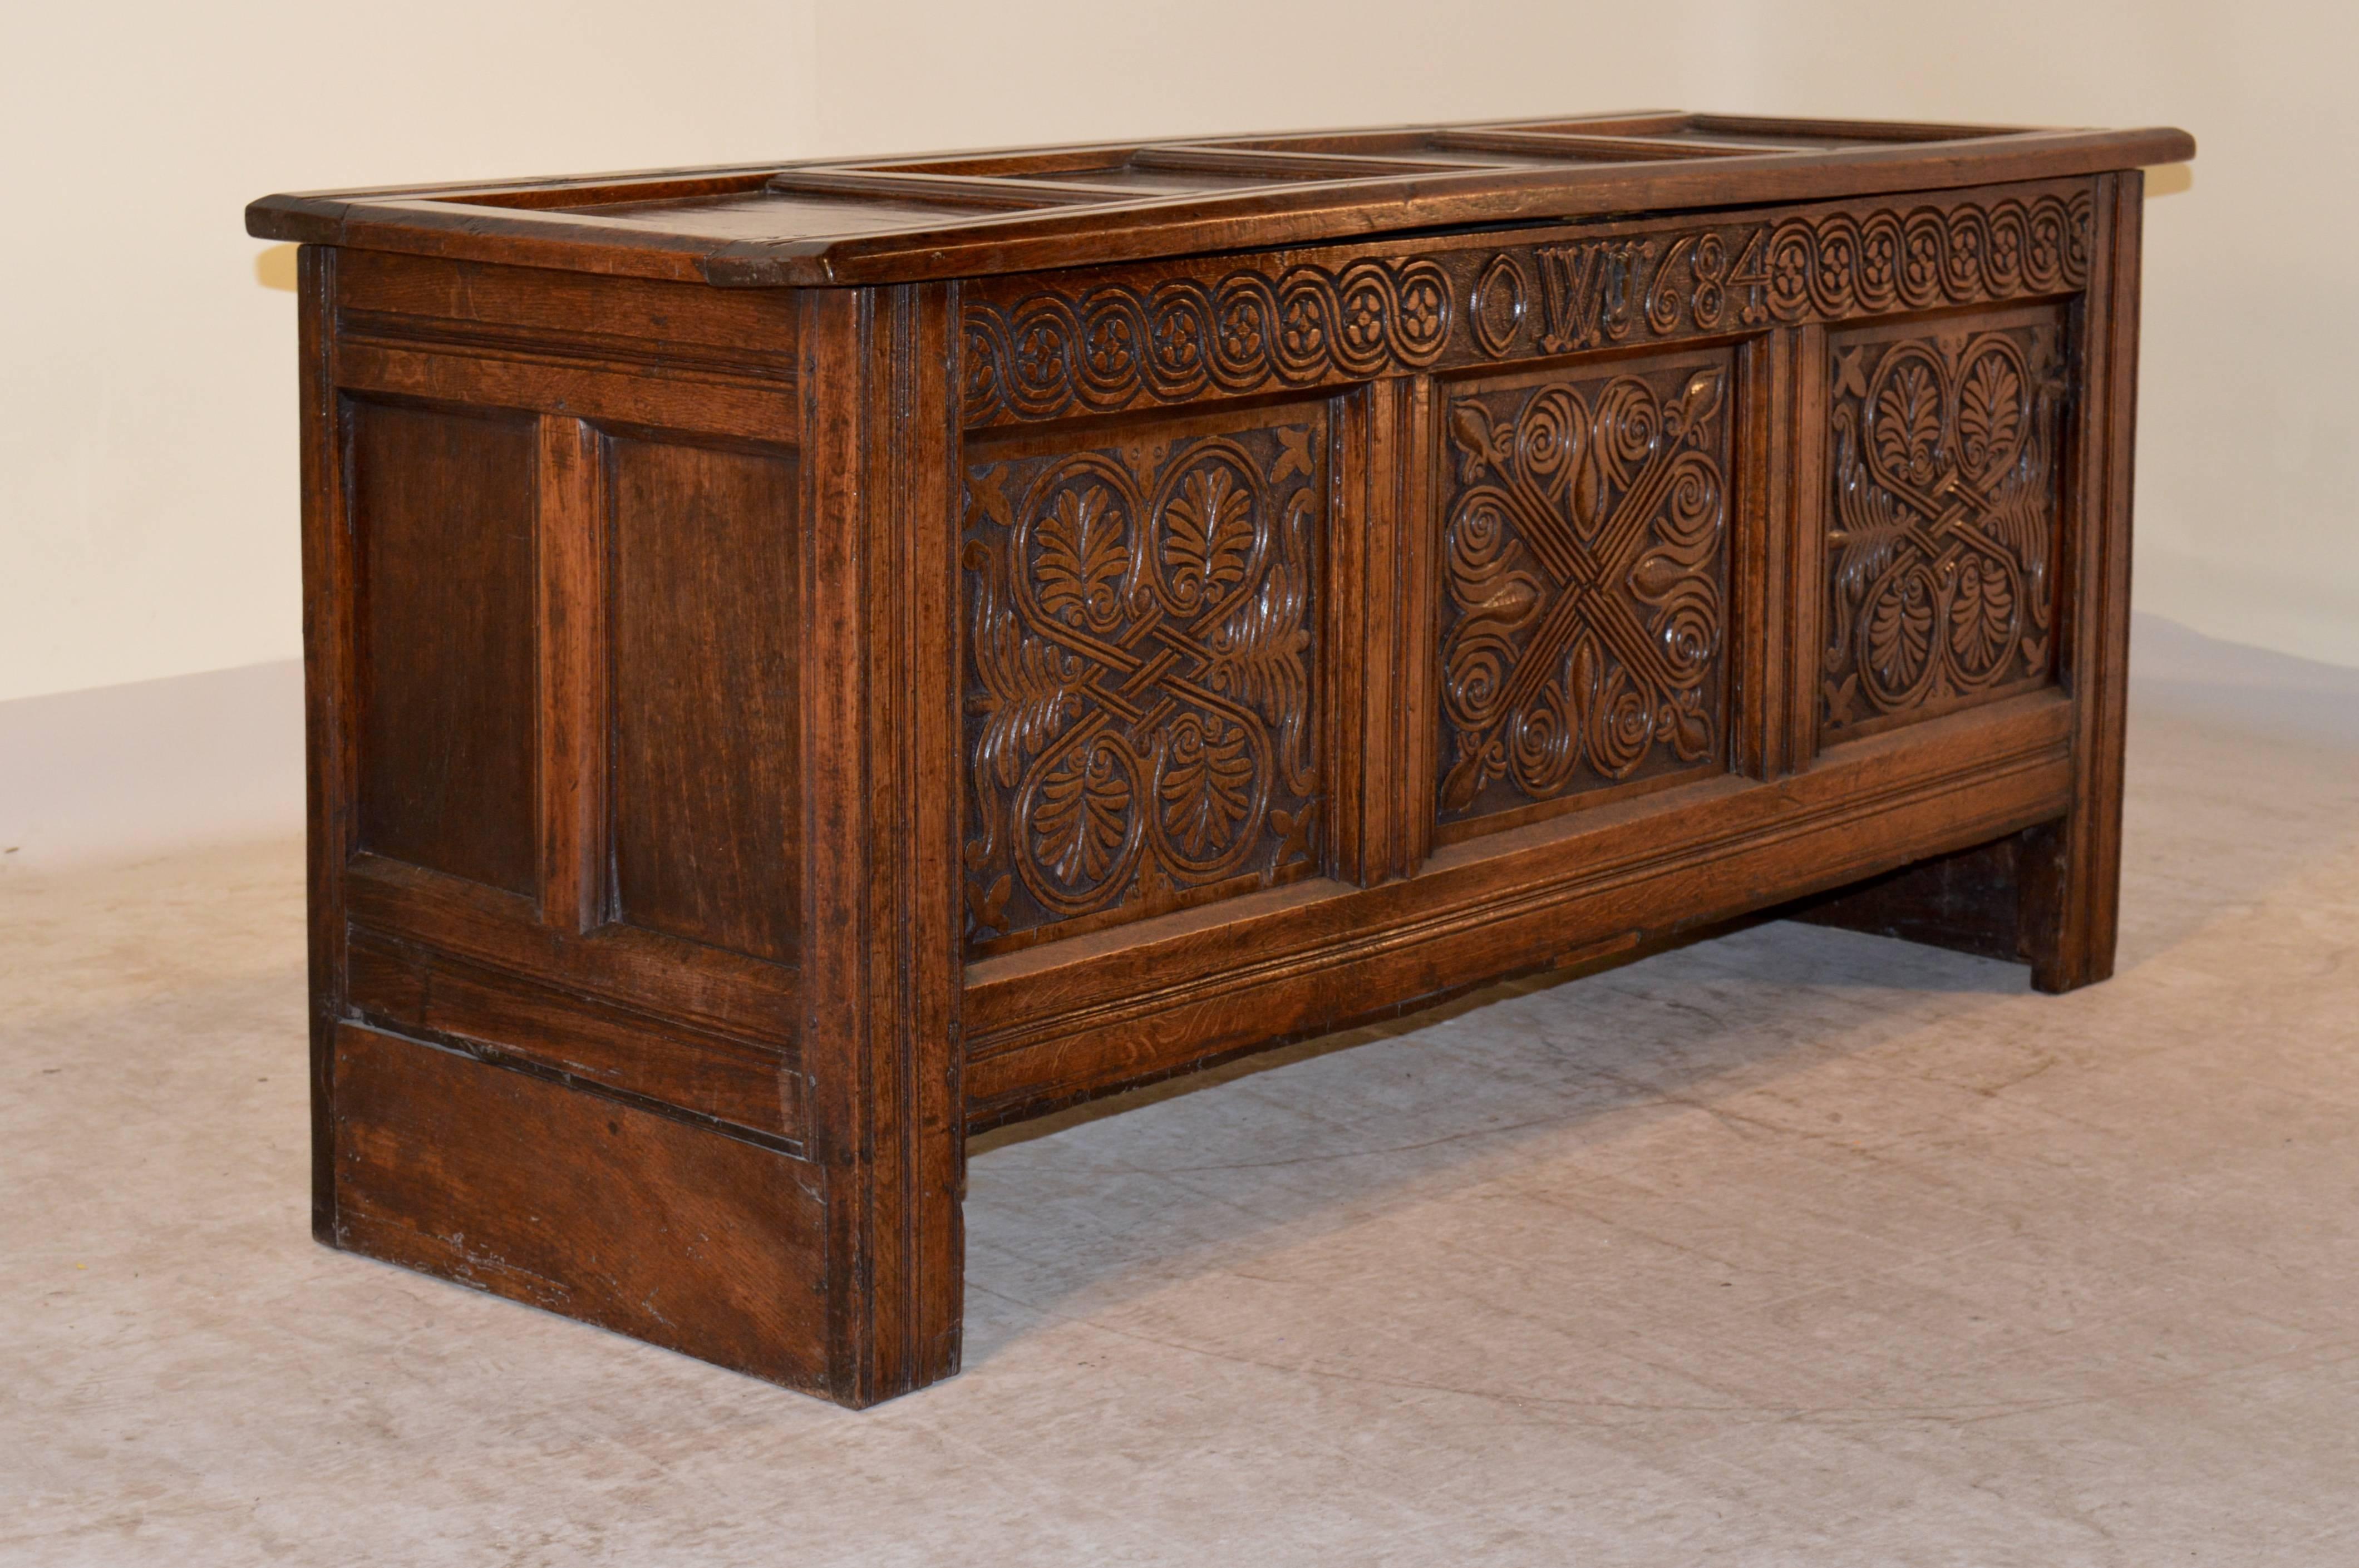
[[1142, 674], [1945, 526], [1585, 584]]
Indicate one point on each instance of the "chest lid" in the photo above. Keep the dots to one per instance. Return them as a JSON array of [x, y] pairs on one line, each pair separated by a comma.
[[909, 219]]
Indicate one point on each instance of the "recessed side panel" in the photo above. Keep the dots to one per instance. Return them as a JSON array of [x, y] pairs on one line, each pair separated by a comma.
[[1942, 516], [705, 761], [1143, 647], [443, 505], [1585, 585]]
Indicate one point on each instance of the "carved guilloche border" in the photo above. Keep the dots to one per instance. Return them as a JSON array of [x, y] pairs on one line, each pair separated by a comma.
[[1048, 347]]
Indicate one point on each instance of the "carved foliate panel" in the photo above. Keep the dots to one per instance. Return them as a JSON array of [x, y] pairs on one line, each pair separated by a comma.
[[1142, 672], [1048, 347], [1584, 591], [1942, 538]]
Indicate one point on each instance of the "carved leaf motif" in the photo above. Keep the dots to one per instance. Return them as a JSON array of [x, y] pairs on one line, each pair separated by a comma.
[[1989, 413], [2019, 519], [1470, 433], [986, 907], [989, 488], [1027, 685], [1908, 423], [1256, 656], [1842, 701], [1078, 823], [1850, 380], [1981, 615], [1701, 400], [1294, 455], [1208, 533], [1505, 597], [1023, 708], [1207, 789], [1691, 728], [1475, 764], [1900, 633], [1657, 574], [1082, 558], [1588, 490], [1873, 532], [1293, 830]]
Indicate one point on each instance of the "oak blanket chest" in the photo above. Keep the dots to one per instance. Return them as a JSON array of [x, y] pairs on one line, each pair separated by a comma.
[[809, 661]]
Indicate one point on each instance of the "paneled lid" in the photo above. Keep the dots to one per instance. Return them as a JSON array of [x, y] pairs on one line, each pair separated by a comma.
[[895, 220]]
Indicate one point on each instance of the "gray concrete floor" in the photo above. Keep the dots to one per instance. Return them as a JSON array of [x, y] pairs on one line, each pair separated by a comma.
[[1791, 1246]]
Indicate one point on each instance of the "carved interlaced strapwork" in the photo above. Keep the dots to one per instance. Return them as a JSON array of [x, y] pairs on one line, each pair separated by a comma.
[[1944, 536], [1141, 675], [1585, 583]]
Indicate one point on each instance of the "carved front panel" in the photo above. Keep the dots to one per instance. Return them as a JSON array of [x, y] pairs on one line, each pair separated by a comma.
[[1142, 670], [1941, 538], [1584, 590]]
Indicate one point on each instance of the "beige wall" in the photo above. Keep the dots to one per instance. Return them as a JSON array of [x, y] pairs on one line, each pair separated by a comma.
[[146, 430], [148, 502]]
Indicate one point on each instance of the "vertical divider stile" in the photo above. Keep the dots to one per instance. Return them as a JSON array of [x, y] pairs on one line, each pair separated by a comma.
[[1804, 526], [1416, 624], [570, 546]]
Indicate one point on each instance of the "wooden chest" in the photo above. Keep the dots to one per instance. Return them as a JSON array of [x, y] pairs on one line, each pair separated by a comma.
[[807, 662]]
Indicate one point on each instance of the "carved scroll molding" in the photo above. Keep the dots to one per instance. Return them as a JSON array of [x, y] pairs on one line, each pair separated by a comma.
[[1943, 533], [1141, 677], [1838, 265], [1177, 337], [1043, 347], [1585, 588]]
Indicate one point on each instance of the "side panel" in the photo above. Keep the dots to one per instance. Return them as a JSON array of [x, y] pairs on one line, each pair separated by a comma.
[[553, 574], [442, 511], [706, 761]]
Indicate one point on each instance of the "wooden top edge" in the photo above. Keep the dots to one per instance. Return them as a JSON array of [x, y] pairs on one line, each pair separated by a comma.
[[876, 221]]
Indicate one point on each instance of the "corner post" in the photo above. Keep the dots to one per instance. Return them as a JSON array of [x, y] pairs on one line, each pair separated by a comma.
[[330, 816], [2070, 870], [880, 965]]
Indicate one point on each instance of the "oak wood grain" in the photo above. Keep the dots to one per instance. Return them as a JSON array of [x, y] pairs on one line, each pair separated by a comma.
[[660, 225], [676, 1235], [803, 661], [443, 504], [654, 1060], [706, 758]]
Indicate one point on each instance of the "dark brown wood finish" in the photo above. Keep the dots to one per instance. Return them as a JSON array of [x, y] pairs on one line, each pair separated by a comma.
[[805, 662], [332, 803], [882, 219], [442, 513], [880, 823], [609, 1213], [703, 554]]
